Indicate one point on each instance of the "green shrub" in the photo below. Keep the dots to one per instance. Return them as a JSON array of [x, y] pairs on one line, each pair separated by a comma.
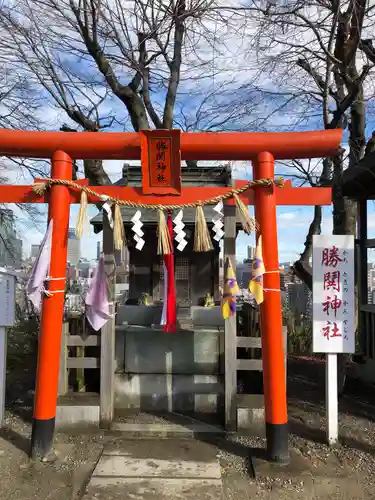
[[299, 329]]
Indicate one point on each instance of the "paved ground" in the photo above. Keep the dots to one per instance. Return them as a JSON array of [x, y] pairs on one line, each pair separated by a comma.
[[316, 472]]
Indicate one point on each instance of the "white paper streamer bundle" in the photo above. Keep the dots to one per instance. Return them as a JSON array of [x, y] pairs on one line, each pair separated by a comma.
[[137, 230], [179, 231], [217, 219], [107, 207]]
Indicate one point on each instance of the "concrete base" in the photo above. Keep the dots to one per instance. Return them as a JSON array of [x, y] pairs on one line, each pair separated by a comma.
[[250, 414], [159, 372], [80, 409], [169, 392], [298, 465]]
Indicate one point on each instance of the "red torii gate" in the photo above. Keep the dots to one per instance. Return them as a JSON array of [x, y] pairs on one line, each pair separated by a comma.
[[261, 148]]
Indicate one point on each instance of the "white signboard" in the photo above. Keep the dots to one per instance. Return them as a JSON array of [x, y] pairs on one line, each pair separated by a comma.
[[7, 318], [7, 299], [333, 294]]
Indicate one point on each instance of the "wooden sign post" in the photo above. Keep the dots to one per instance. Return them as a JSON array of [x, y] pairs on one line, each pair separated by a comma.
[[7, 319], [333, 312]]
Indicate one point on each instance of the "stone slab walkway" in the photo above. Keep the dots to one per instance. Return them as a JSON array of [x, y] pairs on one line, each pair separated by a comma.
[[157, 469]]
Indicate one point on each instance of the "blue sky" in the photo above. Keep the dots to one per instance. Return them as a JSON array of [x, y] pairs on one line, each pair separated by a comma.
[[242, 96]]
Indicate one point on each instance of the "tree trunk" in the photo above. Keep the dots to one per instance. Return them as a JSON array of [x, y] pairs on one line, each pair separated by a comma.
[[175, 65], [95, 173], [345, 210], [93, 169], [302, 267], [137, 112]]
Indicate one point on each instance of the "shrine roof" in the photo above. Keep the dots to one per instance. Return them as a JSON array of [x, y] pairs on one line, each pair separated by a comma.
[[359, 181], [207, 175]]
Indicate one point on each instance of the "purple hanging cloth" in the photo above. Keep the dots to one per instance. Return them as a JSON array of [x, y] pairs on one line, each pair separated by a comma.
[[39, 272], [97, 303]]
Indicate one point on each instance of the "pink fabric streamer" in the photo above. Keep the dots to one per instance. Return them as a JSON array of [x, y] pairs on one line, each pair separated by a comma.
[[97, 303], [39, 272]]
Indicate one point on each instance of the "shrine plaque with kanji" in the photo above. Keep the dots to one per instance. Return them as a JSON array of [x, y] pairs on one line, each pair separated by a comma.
[[333, 294], [161, 162]]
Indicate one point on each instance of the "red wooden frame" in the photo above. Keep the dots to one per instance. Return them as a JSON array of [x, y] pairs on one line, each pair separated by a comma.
[[261, 148], [201, 146], [285, 196]]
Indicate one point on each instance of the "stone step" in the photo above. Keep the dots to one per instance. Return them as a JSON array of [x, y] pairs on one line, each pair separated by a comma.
[[157, 430], [154, 489], [178, 470]]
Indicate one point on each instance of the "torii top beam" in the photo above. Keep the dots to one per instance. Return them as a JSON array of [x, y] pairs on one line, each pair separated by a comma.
[[194, 146]]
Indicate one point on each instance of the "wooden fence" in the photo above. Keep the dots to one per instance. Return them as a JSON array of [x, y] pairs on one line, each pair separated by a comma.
[[249, 342], [80, 351]]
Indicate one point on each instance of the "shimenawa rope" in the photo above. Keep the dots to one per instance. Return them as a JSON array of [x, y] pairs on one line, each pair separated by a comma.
[[202, 240], [41, 187]]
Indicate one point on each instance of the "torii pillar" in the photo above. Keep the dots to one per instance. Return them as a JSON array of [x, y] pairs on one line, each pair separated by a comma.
[[274, 370], [47, 376]]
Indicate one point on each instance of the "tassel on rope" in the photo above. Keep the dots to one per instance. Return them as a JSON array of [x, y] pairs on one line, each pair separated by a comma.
[[118, 229], [249, 224], [202, 238], [81, 215], [164, 238], [40, 188]]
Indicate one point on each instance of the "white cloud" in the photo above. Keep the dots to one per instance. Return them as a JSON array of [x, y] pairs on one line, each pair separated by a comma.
[[114, 168], [287, 216]]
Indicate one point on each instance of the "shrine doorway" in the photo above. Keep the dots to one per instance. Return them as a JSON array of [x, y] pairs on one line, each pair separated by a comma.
[[183, 281]]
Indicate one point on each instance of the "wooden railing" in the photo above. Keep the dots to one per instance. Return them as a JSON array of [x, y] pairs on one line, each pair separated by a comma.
[[74, 359], [249, 343]]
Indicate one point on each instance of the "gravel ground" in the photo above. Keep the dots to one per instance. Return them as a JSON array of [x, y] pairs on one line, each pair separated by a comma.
[[316, 471]]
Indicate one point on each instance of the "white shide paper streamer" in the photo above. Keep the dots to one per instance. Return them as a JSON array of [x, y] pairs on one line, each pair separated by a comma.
[[217, 219], [179, 231], [137, 230]]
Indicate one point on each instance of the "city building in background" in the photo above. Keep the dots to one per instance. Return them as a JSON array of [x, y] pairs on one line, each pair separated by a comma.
[[34, 251], [243, 269], [74, 248], [371, 283], [283, 279], [10, 244], [250, 252], [243, 273]]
